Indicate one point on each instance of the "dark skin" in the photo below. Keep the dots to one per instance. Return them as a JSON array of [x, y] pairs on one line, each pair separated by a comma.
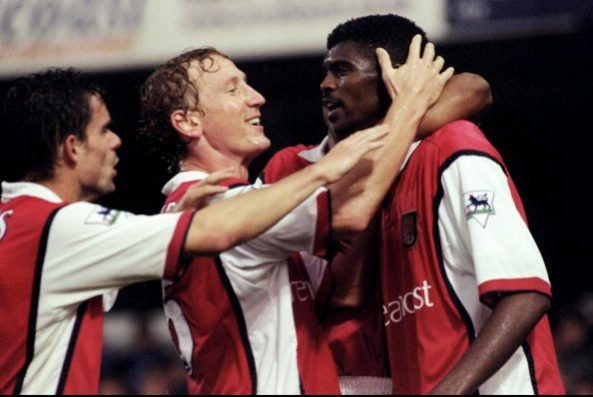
[[352, 282], [352, 98], [512, 319], [350, 91]]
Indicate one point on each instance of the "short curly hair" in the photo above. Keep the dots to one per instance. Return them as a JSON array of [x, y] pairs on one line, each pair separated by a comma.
[[167, 89], [391, 32], [41, 110]]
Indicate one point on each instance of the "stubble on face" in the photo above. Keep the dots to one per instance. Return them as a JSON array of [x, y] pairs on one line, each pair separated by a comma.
[[352, 90], [98, 158]]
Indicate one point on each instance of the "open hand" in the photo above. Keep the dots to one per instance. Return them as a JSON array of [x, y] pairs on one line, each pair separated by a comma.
[[199, 194], [419, 79], [348, 152]]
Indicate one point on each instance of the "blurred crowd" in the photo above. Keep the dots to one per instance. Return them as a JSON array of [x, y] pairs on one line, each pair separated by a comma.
[[572, 326], [139, 357]]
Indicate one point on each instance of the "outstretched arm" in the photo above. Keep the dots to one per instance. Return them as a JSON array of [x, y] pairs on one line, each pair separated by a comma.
[[227, 223], [512, 319], [465, 96]]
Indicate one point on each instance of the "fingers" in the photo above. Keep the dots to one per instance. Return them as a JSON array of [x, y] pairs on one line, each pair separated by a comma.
[[428, 57], [198, 195], [385, 63], [204, 191], [429, 53], [199, 192], [414, 52], [218, 176], [384, 59], [358, 143], [371, 134], [370, 139], [446, 75], [438, 63], [375, 145], [421, 79], [376, 133]]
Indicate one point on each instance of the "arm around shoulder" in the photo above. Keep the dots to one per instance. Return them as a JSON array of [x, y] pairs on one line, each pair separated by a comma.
[[465, 96]]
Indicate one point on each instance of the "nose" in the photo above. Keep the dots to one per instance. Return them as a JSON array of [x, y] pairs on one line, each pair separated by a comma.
[[115, 141], [255, 98], [328, 83]]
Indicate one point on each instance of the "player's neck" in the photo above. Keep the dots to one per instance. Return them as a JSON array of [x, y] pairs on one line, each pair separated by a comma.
[[194, 164], [66, 190]]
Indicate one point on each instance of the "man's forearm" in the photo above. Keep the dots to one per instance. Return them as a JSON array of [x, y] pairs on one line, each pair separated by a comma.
[[358, 195], [230, 222], [227, 223], [465, 96], [512, 319]]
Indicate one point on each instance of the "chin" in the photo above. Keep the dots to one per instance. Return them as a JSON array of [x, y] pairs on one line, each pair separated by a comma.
[[261, 143], [256, 150], [107, 187], [341, 132]]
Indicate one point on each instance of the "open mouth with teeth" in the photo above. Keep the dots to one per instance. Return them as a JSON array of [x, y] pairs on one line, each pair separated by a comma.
[[255, 121]]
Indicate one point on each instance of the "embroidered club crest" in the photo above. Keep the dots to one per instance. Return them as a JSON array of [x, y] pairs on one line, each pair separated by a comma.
[[409, 229], [3, 226], [479, 205]]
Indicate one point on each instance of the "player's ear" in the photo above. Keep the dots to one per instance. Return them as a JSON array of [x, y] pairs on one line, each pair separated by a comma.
[[70, 149], [187, 123]]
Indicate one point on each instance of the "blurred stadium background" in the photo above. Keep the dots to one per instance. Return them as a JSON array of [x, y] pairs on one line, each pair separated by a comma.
[[536, 54]]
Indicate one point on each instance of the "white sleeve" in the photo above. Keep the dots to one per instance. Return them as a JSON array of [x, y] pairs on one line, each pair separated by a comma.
[[306, 228], [91, 250], [483, 232]]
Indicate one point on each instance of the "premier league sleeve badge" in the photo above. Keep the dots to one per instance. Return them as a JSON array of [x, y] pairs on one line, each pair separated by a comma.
[[479, 205]]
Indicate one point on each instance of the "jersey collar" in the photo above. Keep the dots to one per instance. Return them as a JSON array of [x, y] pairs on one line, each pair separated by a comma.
[[11, 190]]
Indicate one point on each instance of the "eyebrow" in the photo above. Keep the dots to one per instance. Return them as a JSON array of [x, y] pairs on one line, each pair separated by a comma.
[[239, 78], [329, 64]]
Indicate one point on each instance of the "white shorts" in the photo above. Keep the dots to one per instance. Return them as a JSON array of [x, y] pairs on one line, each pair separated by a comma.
[[365, 385]]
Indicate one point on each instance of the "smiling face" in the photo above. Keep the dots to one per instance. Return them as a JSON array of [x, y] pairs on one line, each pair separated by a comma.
[[351, 90], [229, 109], [96, 154]]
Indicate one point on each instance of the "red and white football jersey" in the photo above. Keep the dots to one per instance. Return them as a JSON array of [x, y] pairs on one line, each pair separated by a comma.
[[455, 239], [244, 321], [57, 260], [356, 336]]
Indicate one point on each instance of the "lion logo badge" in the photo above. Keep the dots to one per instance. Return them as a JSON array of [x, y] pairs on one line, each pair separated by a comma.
[[479, 205]]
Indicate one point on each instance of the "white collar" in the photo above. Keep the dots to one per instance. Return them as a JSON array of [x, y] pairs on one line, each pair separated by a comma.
[[180, 178], [11, 190], [411, 150], [315, 154]]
